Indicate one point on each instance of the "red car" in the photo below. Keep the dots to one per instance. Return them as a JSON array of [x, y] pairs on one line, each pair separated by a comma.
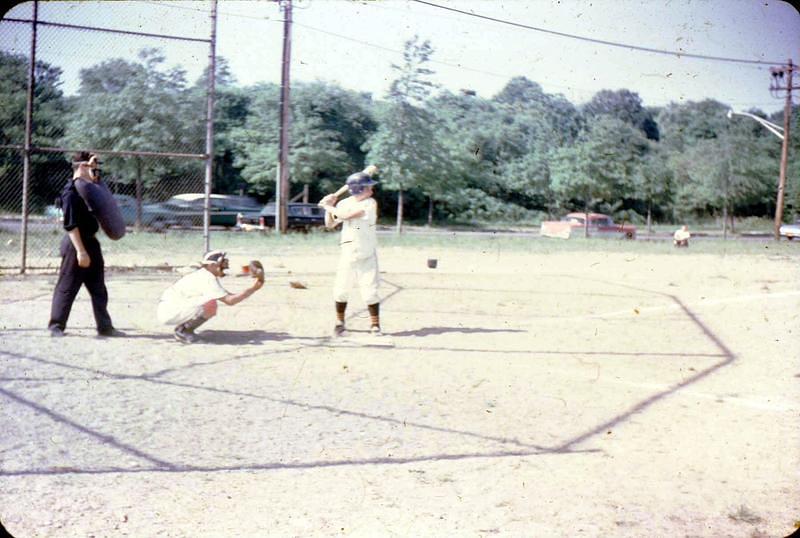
[[572, 224]]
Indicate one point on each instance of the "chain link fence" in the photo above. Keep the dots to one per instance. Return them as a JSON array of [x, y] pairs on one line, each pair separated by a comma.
[[102, 83]]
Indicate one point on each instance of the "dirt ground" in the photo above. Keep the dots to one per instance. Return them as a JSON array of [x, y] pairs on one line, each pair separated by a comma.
[[514, 395]]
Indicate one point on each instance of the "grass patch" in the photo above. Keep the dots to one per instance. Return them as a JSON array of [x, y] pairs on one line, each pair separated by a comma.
[[178, 246]]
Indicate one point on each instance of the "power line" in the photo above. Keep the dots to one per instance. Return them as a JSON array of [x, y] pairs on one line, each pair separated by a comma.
[[761, 65], [457, 66], [175, 6], [598, 41], [366, 43], [221, 13]]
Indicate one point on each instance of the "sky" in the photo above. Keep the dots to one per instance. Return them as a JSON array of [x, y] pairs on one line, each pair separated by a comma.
[[354, 43]]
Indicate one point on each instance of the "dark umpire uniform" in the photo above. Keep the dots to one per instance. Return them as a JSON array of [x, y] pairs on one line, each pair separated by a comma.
[[71, 276]]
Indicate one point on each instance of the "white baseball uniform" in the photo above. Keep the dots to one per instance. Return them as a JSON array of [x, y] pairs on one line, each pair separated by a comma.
[[358, 261], [184, 300]]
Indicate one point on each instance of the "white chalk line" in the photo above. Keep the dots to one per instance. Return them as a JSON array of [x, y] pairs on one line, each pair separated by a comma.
[[764, 403], [703, 303]]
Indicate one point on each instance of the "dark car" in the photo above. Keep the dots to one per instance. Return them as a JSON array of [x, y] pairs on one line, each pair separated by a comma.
[[152, 214], [187, 210], [301, 215]]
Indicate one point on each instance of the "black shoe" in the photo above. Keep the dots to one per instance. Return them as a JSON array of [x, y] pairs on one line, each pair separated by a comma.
[[56, 332], [185, 335], [110, 333], [338, 329]]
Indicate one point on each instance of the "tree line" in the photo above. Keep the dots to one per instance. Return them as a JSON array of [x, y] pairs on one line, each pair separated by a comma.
[[521, 156]]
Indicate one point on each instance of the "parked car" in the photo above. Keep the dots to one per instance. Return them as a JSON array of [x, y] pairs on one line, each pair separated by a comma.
[[301, 215], [127, 206], [572, 224], [151, 217], [790, 231], [187, 210], [180, 210]]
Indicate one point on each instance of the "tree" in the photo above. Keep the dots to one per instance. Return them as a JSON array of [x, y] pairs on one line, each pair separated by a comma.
[[135, 106], [653, 181], [601, 166], [49, 107], [624, 105], [404, 145], [718, 165], [736, 169], [329, 126], [231, 108]]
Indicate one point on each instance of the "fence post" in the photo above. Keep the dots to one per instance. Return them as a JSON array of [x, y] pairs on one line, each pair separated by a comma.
[[26, 152], [212, 71]]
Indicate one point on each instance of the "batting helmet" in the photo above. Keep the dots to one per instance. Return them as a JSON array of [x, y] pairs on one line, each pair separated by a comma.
[[356, 182]]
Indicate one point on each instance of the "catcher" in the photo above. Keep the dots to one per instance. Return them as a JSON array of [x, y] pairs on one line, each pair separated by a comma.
[[359, 259], [192, 300]]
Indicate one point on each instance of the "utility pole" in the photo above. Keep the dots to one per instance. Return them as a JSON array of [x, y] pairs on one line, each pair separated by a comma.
[[778, 76], [210, 89], [282, 189]]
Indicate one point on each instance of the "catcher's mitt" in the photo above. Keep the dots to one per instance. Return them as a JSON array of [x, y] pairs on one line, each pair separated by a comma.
[[257, 270]]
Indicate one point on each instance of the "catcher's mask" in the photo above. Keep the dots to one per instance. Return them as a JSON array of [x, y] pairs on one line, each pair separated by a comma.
[[216, 256], [358, 181]]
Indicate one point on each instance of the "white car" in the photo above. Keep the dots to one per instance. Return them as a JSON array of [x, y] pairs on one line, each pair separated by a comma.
[[790, 231]]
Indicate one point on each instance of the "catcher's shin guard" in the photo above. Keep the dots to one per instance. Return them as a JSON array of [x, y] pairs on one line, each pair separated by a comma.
[[185, 331]]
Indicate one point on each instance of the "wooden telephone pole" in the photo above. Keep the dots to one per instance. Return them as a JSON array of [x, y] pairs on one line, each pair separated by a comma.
[[783, 75], [282, 187]]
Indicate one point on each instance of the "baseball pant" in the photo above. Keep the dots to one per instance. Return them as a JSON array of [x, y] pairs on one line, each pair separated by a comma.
[[70, 279], [363, 272]]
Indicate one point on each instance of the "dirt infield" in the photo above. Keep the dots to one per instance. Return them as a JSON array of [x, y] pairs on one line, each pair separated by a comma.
[[586, 394]]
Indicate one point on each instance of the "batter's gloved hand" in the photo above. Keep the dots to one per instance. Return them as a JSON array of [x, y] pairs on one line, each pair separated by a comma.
[[257, 270]]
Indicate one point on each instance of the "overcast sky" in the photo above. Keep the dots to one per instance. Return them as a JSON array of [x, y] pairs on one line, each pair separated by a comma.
[[354, 43]]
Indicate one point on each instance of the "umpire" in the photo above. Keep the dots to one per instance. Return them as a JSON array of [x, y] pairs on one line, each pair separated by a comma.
[[81, 257]]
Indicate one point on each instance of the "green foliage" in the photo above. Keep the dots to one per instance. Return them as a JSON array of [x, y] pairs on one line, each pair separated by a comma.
[[139, 105], [49, 108], [603, 165], [512, 157], [231, 108], [623, 105], [328, 127], [405, 146]]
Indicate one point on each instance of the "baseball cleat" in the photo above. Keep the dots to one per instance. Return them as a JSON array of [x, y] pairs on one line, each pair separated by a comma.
[[338, 329], [375, 330], [187, 337]]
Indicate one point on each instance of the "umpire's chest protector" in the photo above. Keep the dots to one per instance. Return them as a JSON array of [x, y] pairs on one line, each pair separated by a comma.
[[103, 206]]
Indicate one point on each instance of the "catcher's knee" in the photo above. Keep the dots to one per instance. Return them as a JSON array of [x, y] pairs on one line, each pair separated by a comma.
[[210, 309]]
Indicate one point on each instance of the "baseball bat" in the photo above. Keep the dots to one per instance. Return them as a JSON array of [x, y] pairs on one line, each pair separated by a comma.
[[343, 189]]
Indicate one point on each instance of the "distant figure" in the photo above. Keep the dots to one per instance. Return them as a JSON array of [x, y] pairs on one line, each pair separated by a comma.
[[681, 237]]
